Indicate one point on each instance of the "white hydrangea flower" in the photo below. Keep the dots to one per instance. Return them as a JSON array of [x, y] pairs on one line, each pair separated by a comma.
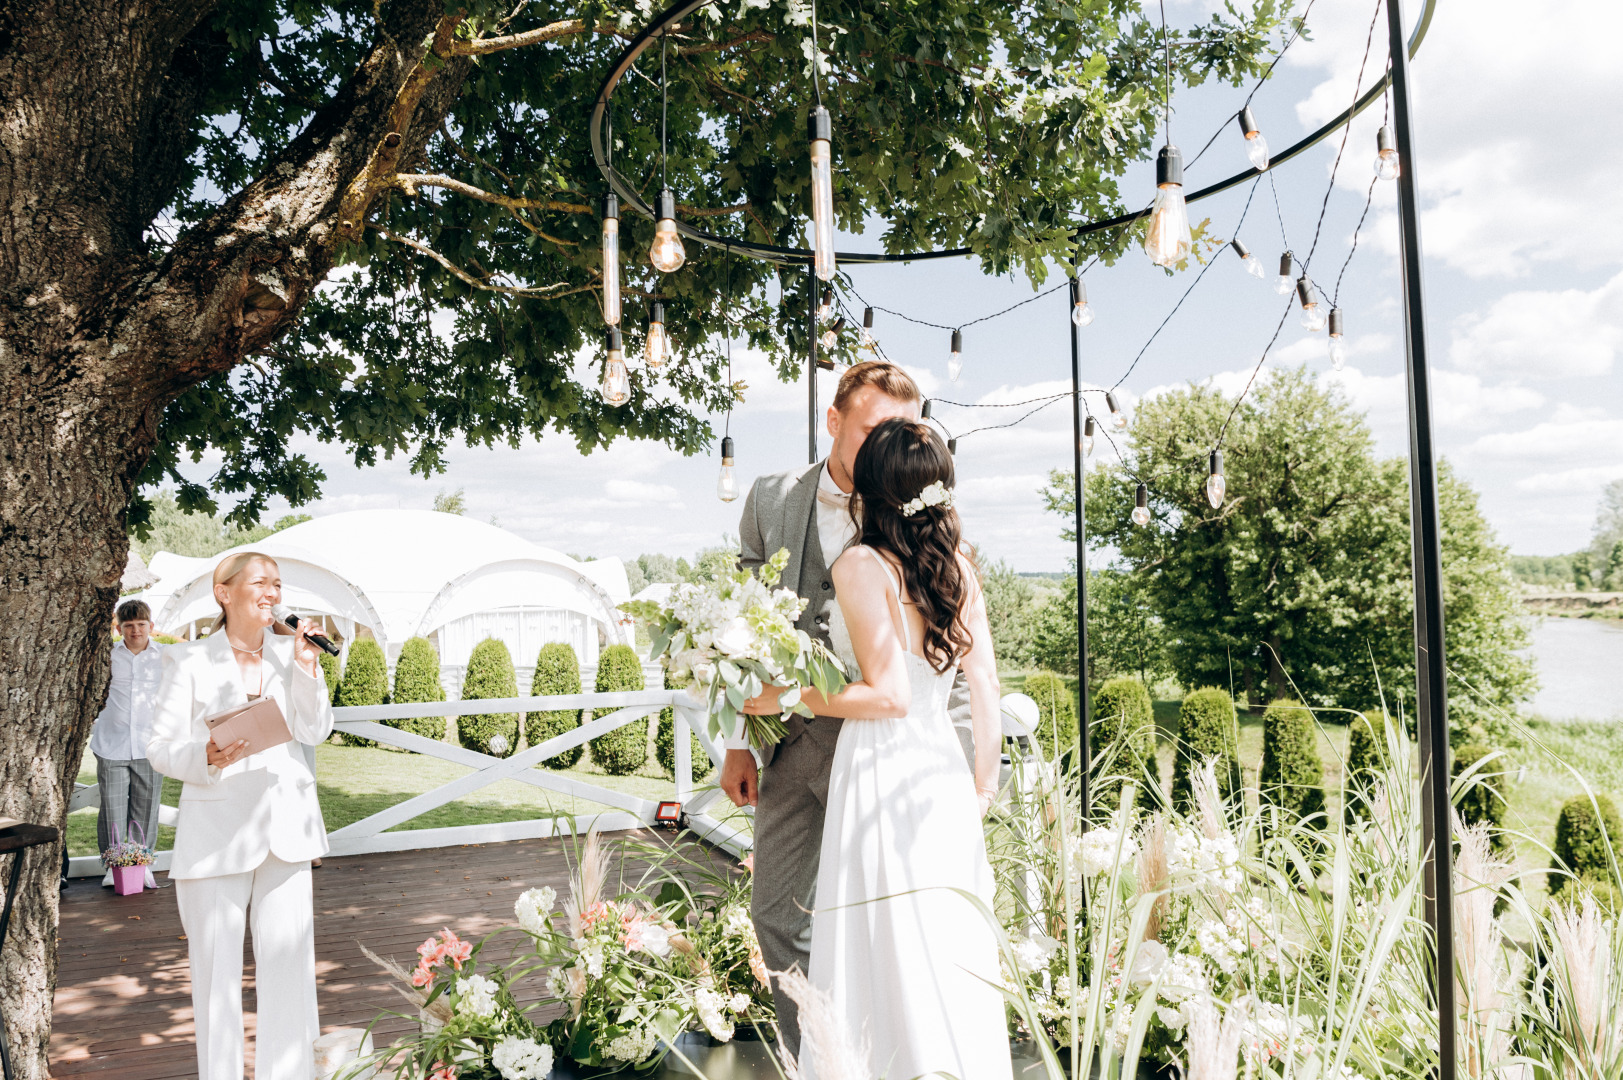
[[738, 1003], [1097, 850], [633, 1046], [557, 983], [1219, 945], [521, 1059], [532, 908], [656, 940], [1031, 953], [736, 923], [476, 996], [591, 961], [711, 1006], [1121, 1026]]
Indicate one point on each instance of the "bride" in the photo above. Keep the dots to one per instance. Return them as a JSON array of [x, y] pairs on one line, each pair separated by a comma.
[[908, 962]]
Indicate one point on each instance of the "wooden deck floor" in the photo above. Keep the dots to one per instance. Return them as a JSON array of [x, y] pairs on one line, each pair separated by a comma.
[[123, 999]]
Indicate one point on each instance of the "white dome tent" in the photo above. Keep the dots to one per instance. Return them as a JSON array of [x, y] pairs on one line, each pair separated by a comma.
[[396, 574]]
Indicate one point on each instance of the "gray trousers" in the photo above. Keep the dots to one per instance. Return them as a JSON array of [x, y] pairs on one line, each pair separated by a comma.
[[129, 792]]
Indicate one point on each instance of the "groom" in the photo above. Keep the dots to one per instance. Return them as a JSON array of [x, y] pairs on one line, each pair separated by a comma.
[[806, 511]]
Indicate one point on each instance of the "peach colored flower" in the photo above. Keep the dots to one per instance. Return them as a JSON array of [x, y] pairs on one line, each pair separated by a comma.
[[748, 862], [429, 951], [422, 976], [455, 949], [444, 1072]]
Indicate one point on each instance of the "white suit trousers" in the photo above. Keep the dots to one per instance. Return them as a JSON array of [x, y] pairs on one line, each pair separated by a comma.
[[214, 911]]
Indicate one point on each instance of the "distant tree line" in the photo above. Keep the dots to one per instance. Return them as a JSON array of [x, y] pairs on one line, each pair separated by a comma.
[[1599, 567]]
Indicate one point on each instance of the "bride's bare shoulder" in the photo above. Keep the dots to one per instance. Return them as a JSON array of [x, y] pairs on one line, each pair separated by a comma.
[[856, 563]]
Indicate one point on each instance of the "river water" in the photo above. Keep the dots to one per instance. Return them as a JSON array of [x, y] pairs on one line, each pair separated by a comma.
[[1580, 668]]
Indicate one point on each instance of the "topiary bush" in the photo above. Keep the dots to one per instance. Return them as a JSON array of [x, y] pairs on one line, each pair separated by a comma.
[[1209, 729], [332, 672], [416, 679], [365, 682], [1485, 801], [665, 742], [1581, 845], [625, 750], [1292, 775], [557, 671], [1124, 726], [1366, 761], [489, 675], [1057, 705]]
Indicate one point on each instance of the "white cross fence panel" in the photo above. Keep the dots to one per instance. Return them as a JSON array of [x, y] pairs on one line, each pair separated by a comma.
[[370, 834]]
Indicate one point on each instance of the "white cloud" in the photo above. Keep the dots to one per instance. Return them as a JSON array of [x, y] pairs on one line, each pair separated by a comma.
[[1536, 335]]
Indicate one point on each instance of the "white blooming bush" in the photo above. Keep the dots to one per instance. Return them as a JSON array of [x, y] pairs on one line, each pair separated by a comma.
[[735, 634]]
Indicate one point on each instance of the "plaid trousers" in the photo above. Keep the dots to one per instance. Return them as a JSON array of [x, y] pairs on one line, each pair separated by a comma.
[[129, 792]]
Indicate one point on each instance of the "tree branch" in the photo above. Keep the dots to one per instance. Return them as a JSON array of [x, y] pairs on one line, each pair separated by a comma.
[[550, 32], [723, 46], [549, 291], [410, 182]]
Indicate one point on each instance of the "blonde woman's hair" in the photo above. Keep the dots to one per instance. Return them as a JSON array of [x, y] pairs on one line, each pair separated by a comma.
[[228, 570]]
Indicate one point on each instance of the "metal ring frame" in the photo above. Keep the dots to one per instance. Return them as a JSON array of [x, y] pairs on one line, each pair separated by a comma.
[[795, 256]]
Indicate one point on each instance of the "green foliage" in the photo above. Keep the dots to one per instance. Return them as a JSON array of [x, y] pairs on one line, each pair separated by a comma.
[[665, 743], [1124, 729], [1057, 730], [1586, 842], [557, 671], [489, 675], [1302, 577], [1209, 729], [1366, 758], [1547, 571], [1484, 801], [196, 533], [365, 682], [1011, 612], [1605, 564], [625, 750], [417, 678], [1124, 635], [451, 502], [331, 671], [1292, 774]]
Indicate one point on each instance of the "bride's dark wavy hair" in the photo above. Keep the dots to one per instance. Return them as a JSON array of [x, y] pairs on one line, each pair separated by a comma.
[[899, 459]]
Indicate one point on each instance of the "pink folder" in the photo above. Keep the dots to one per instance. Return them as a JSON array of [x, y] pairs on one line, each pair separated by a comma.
[[260, 722]]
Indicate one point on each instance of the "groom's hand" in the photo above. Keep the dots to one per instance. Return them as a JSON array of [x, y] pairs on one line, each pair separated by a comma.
[[740, 779]]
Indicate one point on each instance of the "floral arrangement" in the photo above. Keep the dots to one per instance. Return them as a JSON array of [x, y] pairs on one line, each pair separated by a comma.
[[735, 634], [127, 852]]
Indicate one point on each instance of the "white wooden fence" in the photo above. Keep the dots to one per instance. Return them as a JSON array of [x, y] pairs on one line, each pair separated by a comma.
[[630, 811]]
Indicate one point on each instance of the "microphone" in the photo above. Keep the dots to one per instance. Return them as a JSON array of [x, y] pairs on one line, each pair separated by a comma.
[[285, 613]]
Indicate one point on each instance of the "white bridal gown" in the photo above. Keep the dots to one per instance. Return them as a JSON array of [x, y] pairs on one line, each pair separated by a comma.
[[909, 964]]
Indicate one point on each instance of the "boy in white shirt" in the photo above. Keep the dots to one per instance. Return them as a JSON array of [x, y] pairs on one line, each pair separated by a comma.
[[128, 784]]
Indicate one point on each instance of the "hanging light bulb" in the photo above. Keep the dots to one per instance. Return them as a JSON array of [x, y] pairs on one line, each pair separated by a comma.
[[611, 260], [952, 447], [825, 303], [955, 362], [1167, 239], [726, 481], [831, 336], [1312, 310], [924, 411], [1256, 147], [1141, 509], [658, 347], [1216, 486], [867, 341], [1338, 344], [1253, 265], [616, 385], [1286, 281], [1081, 310], [1087, 437], [666, 253], [819, 130], [1118, 419], [1387, 166]]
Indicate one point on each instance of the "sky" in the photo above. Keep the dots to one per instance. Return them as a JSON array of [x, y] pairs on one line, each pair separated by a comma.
[[1517, 159]]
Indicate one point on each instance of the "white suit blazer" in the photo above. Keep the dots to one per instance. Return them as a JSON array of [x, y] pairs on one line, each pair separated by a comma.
[[265, 803]]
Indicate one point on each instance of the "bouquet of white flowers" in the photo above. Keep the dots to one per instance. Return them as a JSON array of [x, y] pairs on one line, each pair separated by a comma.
[[736, 634]]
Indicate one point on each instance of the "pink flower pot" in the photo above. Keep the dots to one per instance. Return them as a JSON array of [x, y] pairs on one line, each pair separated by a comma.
[[129, 879]]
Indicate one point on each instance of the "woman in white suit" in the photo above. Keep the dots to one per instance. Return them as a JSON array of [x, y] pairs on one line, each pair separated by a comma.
[[249, 825]]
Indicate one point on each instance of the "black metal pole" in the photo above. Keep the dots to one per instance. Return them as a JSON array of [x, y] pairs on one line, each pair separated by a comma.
[[1431, 698], [1077, 413], [811, 366]]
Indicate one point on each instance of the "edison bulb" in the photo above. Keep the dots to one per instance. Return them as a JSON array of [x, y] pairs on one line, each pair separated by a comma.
[[1081, 313], [611, 260], [1313, 316], [616, 385], [955, 362], [1166, 241], [1256, 147], [1387, 166], [867, 340], [1215, 488], [1087, 438], [1285, 282], [829, 339], [1118, 419], [1141, 515], [822, 178], [825, 304], [1338, 352], [666, 253], [658, 347], [727, 480]]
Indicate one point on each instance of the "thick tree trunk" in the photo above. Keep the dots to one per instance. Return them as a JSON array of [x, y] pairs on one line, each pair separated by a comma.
[[96, 337]]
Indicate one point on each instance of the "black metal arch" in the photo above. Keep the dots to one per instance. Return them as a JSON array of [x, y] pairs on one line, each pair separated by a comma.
[[796, 256]]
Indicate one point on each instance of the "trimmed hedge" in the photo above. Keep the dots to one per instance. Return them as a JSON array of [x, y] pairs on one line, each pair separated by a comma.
[[417, 678], [1580, 846], [1485, 801], [557, 671], [1366, 761], [1056, 703], [365, 682], [1292, 775], [625, 750], [1209, 729], [665, 743], [1124, 724], [332, 672], [489, 675]]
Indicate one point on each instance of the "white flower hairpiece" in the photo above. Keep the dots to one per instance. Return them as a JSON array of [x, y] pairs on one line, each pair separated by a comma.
[[936, 494]]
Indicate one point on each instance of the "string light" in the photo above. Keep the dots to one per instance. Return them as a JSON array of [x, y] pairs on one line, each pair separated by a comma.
[[1253, 265], [825, 303], [1387, 165], [867, 341], [1312, 310], [658, 347], [1338, 344], [1141, 509], [727, 480], [955, 363], [924, 411], [666, 252], [1216, 486], [1081, 310], [611, 259], [1167, 239], [952, 447], [831, 336], [1286, 281], [616, 385], [820, 131], [1087, 437], [1118, 419], [1256, 147]]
